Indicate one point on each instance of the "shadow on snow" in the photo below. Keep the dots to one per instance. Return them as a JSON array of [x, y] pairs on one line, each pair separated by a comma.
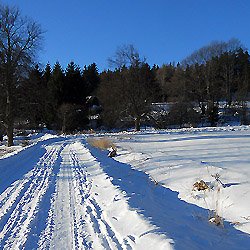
[[185, 223]]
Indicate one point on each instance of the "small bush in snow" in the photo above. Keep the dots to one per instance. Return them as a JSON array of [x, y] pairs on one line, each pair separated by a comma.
[[103, 143], [201, 185], [216, 219]]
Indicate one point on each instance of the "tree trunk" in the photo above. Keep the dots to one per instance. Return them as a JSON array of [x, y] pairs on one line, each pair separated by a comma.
[[137, 124], [9, 118], [64, 123], [10, 135], [1, 136]]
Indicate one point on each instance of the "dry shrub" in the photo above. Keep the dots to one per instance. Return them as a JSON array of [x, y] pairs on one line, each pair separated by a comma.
[[216, 219], [213, 216], [200, 186], [102, 143]]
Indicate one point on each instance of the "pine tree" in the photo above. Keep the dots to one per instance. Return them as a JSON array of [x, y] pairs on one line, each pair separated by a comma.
[[226, 63], [111, 98], [212, 114], [32, 98], [91, 77], [242, 75], [74, 87], [54, 95], [164, 77], [47, 74], [73, 110]]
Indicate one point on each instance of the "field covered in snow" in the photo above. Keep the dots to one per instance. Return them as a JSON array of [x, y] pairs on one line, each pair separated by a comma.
[[59, 192]]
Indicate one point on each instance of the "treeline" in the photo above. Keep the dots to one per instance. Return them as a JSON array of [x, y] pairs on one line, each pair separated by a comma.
[[56, 98], [130, 94], [219, 72], [224, 77]]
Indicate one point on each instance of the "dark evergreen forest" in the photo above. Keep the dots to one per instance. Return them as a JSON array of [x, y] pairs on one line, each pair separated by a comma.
[[134, 94]]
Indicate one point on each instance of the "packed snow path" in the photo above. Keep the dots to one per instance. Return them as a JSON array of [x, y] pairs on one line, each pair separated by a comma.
[[65, 201], [61, 194]]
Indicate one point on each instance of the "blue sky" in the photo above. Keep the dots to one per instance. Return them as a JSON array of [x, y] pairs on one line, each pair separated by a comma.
[[87, 31]]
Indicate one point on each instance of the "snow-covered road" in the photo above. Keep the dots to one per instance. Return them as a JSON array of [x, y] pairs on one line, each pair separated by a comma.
[[66, 201], [62, 194]]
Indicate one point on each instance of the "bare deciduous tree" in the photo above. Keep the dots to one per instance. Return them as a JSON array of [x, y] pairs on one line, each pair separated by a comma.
[[20, 39], [215, 48], [130, 87], [125, 55]]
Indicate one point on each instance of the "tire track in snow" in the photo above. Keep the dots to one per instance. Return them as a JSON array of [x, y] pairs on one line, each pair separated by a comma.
[[75, 219], [59, 232], [111, 223], [10, 195], [67, 202], [19, 203], [94, 212]]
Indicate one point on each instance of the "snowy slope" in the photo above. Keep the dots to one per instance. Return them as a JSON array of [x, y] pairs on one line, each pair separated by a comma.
[[61, 193], [178, 159]]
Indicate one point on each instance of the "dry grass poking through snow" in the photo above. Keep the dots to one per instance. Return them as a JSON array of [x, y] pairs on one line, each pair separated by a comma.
[[213, 216], [103, 143]]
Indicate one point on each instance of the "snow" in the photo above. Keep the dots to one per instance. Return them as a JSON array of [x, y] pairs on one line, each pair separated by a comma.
[[178, 160], [58, 192]]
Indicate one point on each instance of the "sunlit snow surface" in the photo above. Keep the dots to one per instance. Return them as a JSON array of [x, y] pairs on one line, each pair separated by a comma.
[[60, 193]]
